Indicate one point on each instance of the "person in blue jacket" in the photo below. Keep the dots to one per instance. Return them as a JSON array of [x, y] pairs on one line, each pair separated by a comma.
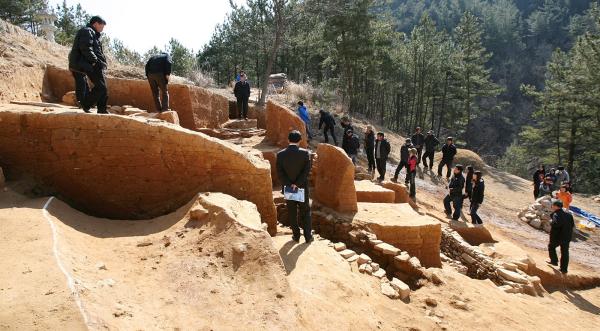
[[305, 116]]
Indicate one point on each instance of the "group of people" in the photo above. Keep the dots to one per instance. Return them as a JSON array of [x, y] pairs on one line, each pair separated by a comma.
[[88, 61], [460, 188], [556, 180]]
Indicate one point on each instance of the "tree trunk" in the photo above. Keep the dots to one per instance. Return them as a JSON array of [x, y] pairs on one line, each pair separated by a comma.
[[278, 8]]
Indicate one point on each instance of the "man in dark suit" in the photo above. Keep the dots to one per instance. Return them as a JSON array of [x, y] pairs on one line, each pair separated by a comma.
[[241, 90], [293, 168], [560, 235], [382, 151]]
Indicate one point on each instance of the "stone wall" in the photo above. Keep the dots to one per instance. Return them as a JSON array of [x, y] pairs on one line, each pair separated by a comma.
[[196, 107], [122, 167], [280, 121], [334, 180]]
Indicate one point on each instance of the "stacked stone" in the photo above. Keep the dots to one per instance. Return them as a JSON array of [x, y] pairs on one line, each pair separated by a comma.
[[509, 276], [394, 289], [538, 214]]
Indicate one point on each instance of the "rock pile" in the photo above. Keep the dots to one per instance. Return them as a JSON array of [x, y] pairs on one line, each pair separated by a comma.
[[394, 289], [511, 277], [538, 214]]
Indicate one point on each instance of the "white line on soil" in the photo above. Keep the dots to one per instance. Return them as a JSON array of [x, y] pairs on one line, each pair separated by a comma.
[[70, 280]]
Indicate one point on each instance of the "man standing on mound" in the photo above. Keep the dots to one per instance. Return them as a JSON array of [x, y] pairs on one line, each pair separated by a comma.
[[293, 168], [87, 59], [560, 235], [158, 71], [455, 194]]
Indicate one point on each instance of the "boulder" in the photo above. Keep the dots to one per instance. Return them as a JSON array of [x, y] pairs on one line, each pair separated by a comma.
[[380, 273], [70, 99], [536, 223], [389, 291], [401, 287]]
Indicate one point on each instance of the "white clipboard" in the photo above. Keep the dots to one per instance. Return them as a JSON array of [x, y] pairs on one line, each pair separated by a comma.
[[297, 195]]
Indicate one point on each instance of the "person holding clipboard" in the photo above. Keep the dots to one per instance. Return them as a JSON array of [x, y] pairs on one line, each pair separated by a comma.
[[293, 168]]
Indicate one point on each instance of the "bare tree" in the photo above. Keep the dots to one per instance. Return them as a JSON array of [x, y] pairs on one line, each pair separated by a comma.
[[279, 20]]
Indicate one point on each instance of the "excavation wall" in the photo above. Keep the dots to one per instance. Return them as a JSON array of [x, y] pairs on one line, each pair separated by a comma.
[[126, 168], [196, 107], [333, 178]]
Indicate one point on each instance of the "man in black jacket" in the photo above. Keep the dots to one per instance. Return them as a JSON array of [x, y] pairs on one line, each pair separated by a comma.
[[242, 94], [351, 145], [158, 70], [455, 194], [560, 235], [418, 139], [448, 153], [431, 143], [87, 59], [403, 161], [382, 151], [477, 197], [370, 148], [293, 168], [329, 122]]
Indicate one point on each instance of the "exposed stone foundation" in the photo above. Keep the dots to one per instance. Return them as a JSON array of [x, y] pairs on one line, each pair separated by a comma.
[[126, 167]]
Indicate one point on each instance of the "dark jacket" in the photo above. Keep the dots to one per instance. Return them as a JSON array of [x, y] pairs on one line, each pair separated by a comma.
[[242, 90], [385, 149], [326, 119], [431, 143], [86, 51], [159, 64], [418, 139], [544, 190], [370, 141], [478, 191], [293, 166], [469, 183], [562, 227], [448, 152], [347, 127], [536, 176], [456, 186], [404, 152], [351, 144]]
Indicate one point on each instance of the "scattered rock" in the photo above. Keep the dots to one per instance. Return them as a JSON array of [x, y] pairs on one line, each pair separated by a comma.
[[375, 266], [352, 258], [460, 305], [166, 241], [436, 278], [363, 268], [509, 266], [70, 99], [389, 291], [363, 258], [431, 302], [512, 276], [536, 223], [169, 116], [100, 266], [339, 246], [387, 249], [414, 262], [347, 253], [368, 269], [198, 213], [144, 243]]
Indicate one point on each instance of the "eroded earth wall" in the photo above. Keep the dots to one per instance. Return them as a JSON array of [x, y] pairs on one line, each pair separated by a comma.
[[334, 179], [280, 121], [196, 107], [126, 168]]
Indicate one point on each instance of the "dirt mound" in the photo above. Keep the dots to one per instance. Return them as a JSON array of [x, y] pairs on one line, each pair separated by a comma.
[[465, 157], [127, 167]]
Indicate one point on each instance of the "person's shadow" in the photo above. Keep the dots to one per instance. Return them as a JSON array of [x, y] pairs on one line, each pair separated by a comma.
[[582, 303], [290, 252]]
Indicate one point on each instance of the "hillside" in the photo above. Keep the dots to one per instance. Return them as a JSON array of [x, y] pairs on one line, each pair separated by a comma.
[[212, 260]]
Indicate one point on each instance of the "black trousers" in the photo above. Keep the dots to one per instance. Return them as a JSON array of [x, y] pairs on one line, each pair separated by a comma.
[[381, 167], [475, 219], [457, 203], [98, 96], [242, 107], [419, 154], [299, 215], [413, 187], [81, 87], [402, 164], [158, 83], [448, 164], [331, 130], [371, 158], [428, 155], [564, 254]]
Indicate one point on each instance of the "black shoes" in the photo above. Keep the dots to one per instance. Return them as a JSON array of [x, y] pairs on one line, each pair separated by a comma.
[[296, 239], [552, 263]]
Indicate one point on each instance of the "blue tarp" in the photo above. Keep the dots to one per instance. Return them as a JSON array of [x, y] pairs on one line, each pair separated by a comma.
[[588, 216]]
